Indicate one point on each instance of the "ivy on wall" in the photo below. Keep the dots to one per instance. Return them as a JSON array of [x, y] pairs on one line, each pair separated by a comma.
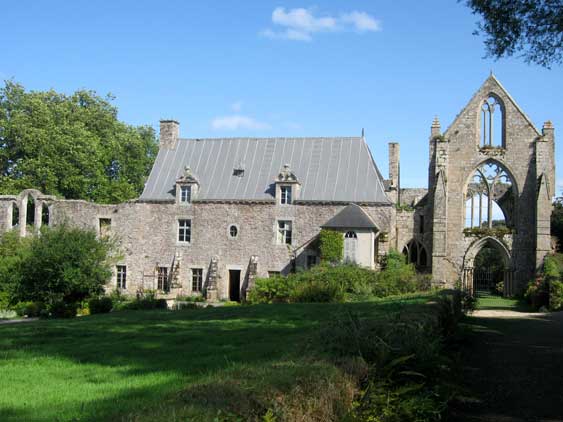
[[331, 245]]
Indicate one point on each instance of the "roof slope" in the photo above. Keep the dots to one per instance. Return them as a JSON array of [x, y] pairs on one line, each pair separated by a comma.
[[351, 217], [329, 169]]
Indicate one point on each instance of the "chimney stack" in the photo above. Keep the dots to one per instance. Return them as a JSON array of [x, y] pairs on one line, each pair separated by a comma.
[[169, 134], [394, 171]]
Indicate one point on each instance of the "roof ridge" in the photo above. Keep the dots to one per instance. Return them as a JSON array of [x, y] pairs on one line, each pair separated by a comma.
[[281, 138]]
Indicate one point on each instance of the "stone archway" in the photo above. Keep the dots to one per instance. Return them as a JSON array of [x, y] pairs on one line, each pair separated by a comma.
[[468, 273]]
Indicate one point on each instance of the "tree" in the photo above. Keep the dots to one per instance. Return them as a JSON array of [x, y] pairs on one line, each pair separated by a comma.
[[557, 222], [71, 146], [64, 265], [531, 27]]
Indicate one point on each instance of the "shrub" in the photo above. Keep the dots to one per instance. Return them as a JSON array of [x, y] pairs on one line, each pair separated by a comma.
[[62, 309], [145, 300], [556, 296], [397, 277], [29, 309], [191, 298], [317, 291], [100, 305], [331, 245], [63, 265], [272, 290]]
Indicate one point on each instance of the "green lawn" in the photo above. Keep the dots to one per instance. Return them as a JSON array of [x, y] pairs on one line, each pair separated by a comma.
[[487, 301], [163, 365]]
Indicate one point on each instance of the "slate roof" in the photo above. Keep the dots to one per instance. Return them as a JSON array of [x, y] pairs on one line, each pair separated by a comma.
[[351, 217], [329, 169]]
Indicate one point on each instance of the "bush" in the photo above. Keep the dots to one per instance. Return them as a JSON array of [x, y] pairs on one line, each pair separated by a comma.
[[29, 309], [331, 245], [398, 277], [191, 298], [63, 265], [318, 292], [556, 296], [275, 289], [100, 305], [62, 309], [145, 300]]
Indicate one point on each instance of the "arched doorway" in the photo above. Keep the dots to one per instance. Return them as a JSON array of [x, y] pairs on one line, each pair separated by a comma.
[[415, 253], [487, 268]]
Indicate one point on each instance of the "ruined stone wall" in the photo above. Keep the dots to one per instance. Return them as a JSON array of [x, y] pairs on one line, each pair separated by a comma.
[[458, 153]]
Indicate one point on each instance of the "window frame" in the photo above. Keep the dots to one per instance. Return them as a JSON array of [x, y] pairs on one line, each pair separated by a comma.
[[285, 232], [184, 233], [199, 286], [286, 194], [121, 277], [185, 194], [162, 279]]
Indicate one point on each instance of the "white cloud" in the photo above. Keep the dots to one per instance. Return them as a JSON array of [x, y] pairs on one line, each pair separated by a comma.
[[300, 24], [361, 21], [237, 122]]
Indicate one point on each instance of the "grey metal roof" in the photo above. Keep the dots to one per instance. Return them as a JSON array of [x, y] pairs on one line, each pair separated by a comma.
[[329, 169], [351, 217]]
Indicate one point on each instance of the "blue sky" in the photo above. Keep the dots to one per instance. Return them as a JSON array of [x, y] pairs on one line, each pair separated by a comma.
[[263, 68]]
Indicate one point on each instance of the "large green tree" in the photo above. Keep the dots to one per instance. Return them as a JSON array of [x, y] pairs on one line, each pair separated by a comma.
[[532, 28], [71, 145]]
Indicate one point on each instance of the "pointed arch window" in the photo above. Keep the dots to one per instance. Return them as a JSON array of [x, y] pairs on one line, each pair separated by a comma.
[[489, 200], [492, 123]]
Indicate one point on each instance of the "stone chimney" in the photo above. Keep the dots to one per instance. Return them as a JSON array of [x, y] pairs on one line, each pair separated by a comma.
[[394, 171], [169, 133]]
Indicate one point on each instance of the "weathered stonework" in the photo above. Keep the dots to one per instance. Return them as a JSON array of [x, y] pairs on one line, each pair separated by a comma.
[[425, 223]]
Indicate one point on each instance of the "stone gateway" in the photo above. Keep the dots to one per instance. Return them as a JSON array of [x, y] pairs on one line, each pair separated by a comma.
[[217, 213]]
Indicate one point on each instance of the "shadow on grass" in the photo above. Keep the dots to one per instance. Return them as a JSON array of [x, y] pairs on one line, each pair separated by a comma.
[[105, 367], [513, 365]]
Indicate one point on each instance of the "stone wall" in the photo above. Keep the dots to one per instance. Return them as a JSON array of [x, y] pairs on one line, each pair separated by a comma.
[[456, 156], [147, 235]]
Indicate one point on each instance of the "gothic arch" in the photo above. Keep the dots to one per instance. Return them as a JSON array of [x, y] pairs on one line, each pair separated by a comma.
[[469, 261], [492, 122], [495, 181], [416, 253]]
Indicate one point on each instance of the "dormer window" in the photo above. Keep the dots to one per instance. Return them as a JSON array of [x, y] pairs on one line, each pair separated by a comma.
[[186, 194], [287, 186], [186, 187], [285, 197]]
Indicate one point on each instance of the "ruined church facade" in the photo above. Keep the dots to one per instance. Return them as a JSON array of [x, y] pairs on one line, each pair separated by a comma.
[[217, 213]]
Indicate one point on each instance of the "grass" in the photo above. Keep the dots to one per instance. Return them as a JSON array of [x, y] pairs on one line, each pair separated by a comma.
[[488, 301], [182, 365]]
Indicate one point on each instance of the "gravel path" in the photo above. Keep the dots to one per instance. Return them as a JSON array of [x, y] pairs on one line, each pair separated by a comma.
[[513, 368], [17, 321]]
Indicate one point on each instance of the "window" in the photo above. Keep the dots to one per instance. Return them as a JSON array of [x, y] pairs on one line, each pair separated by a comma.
[[122, 277], [350, 246], [238, 172], [184, 231], [311, 261], [490, 197], [45, 215], [15, 215], [421, 226], [162, 279], [285, 194], [233, 231], [197, 279], [284, 232], [186, 194], [105, 226], [492, 122], [30, 216]]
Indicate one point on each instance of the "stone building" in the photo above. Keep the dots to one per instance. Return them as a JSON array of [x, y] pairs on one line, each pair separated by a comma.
[[216, 213]]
